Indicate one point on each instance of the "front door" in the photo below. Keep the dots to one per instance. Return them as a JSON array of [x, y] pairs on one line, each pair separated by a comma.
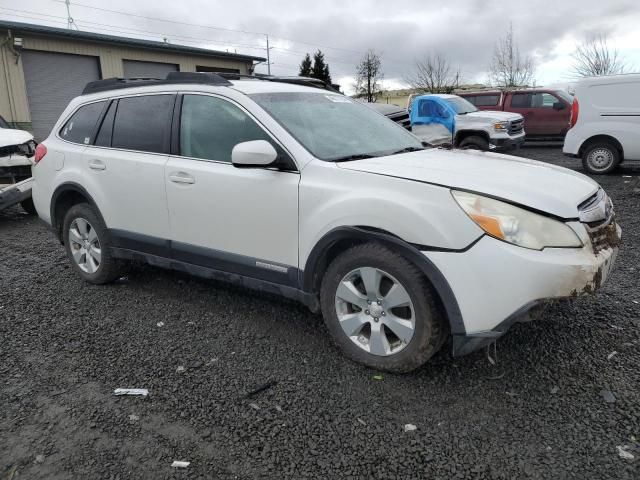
[[431, 122], [236, 220], [540, 118]]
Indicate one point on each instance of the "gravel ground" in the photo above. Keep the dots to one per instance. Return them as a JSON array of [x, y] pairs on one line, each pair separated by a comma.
[[540, 412]]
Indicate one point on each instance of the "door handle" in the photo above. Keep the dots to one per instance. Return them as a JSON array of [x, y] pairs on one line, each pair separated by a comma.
[[181, 177], [97, 165]]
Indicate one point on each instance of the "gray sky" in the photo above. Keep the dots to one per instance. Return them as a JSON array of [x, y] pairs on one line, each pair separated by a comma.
[[465, 31]]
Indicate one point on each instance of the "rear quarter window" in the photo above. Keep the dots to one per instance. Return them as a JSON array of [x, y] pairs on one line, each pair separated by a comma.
[[81, 127]]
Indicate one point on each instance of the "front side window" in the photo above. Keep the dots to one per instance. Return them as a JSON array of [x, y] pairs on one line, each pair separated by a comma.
[[143, 123], [3, 123], [460, 105], [81, 127], [544, 100], [210, 127], [335, 128]]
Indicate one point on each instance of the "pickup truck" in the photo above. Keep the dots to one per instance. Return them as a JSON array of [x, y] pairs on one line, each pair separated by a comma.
[[545, 111], [439, 119], [16, 149]]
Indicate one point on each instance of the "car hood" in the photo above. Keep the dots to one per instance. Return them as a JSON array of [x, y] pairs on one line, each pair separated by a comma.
[[10, 152], [492, 115], [11, 136], [530, 183]]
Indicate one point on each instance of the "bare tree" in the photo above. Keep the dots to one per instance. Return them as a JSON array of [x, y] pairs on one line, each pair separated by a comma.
[[434, 74], [508, 67], [593, 57], [369, 76]]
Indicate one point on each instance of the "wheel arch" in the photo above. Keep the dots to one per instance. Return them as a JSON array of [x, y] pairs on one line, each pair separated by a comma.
[[601, 138], [64, 197], [341, 238], [461, 135]]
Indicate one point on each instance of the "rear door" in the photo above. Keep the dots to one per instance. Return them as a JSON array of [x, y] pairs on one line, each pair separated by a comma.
[[125, 167], [237, 220]]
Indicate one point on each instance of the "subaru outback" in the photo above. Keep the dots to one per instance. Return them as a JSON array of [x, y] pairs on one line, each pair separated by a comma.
[[311, 195]]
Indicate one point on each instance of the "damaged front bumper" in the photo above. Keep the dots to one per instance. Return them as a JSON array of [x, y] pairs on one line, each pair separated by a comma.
[[13, 194], [498, 284]]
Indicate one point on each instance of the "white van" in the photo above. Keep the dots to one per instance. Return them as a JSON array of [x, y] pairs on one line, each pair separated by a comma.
[[605, 122]]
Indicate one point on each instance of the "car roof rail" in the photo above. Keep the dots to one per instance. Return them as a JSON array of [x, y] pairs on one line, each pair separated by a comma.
[[204, 78], [296, 80]]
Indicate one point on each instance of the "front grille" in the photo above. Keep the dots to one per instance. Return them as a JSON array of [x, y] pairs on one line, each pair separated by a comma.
[[516, 126], [402, 119], [597, 215], [604, 236]]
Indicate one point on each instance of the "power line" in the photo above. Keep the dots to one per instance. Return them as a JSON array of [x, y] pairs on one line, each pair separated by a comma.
[[189, 24]]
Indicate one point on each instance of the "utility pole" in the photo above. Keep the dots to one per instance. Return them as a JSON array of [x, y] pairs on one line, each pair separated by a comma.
[[70, 21], [268, 55]]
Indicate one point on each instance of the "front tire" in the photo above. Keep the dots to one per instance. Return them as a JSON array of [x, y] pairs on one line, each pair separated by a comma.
[[88, 245], [600, 158], [474, 143], [379, 309]]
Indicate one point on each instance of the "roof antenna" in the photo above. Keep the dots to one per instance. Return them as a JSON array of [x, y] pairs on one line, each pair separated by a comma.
[[70, 21]]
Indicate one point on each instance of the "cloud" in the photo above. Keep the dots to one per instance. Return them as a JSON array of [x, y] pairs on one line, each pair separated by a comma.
[[465, 31]]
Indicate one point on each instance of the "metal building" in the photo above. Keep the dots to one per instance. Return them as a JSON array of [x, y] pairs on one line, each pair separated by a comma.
[[42, 68]]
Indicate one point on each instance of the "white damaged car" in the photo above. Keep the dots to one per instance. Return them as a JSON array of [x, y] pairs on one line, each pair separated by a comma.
[[17, 147], [313, 196]]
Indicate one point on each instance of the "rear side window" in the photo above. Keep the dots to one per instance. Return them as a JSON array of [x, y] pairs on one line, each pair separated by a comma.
[[486, 100], [143, 123], [470, 98], [103, 139], [210, 127], [81, 127], [521, 100]]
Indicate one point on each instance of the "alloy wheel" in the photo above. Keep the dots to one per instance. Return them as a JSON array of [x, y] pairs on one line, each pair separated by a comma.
[[85, 245], [375, 311]]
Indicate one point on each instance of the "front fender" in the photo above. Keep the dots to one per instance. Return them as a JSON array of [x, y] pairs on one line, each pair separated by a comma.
[[316, 264]]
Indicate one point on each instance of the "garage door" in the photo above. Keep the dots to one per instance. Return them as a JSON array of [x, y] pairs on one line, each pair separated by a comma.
[[53, 79], [136, 69]]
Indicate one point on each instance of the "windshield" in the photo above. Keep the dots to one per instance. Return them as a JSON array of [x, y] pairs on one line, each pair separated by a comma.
[[333, 127], [3, 124], [565, 96], [460, 105]]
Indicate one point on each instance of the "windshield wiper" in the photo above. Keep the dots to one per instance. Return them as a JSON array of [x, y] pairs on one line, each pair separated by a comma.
[[407, 150], [357, 156]]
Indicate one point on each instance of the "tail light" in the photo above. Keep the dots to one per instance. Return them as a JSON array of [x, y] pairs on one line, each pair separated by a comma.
[[41, 151], [575, 110]]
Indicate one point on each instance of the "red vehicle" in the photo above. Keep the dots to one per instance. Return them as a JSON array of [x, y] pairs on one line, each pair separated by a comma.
[[546, 112]]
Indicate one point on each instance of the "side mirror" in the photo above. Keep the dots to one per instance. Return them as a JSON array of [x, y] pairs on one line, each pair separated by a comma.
[[257, 153], [558, 106]]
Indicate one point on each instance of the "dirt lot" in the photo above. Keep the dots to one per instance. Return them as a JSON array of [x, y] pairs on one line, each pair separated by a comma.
[[541, 412]]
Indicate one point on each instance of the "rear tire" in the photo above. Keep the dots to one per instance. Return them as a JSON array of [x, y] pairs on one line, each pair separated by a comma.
[[600, 158], [474, 143], [88, 245], [28, 206], [369, 329]]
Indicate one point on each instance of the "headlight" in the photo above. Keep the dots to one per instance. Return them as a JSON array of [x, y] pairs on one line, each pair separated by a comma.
[[516, 225], [500, 126]]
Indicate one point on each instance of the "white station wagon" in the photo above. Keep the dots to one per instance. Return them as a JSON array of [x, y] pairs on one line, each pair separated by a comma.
[[305, 193]]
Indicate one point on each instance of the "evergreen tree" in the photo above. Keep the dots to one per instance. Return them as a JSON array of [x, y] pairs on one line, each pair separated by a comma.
[[305, 67], [320, 69]]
